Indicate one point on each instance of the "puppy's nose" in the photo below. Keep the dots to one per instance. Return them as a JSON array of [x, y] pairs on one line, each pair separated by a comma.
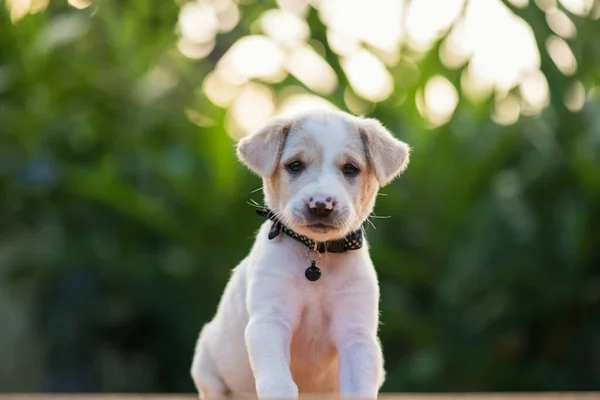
[[321, 207]]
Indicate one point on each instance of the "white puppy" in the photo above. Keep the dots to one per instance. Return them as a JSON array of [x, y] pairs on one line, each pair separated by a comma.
[[300, 313]]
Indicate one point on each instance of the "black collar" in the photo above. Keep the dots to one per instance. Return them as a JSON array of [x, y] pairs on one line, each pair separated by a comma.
[[352, 241]]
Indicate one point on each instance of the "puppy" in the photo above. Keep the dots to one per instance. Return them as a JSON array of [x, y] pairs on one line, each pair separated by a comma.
[[300, 313]]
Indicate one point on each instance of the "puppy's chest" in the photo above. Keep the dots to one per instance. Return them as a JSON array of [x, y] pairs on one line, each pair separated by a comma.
[[312, 337], [314, 356], [313, 328], [312, 334], [313, 353]]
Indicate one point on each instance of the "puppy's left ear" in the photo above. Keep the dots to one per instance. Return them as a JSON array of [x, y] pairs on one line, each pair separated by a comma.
[[388, 155], [261, 151]]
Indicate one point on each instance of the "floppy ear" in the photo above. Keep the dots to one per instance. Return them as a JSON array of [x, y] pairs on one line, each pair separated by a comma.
[[261, 150], [388, 156]]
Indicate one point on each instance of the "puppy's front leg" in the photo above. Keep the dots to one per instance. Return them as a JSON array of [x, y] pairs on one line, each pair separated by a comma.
[[354, 329], [274, 309]]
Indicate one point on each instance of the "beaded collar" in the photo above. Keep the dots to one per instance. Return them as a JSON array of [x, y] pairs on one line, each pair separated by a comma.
[[352, 241]]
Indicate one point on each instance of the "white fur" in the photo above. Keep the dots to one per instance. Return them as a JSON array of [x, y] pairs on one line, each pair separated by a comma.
[[275, 333]]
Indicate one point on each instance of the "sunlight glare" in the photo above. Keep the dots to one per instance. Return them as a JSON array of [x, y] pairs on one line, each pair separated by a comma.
[[474, 87], [18, 9], [561, 24], [578, 7], [451, 54], [506, 110], [501, 44], [252, 108], [575, 97], [38, 6], [198, 22], [229, 73], [424, 26], [219, 90], [368, 76], [341, 44], [304, 102], [561, 54], [228, 17], [519, 3], [284, 26], [218, 5], [497, 46], [376, 22], [595, 12], [546, 5], [255, 57], [535, 93], [80, 4], [355, 104], [439, 100], [298, 7], [311, 69], [194, 51]]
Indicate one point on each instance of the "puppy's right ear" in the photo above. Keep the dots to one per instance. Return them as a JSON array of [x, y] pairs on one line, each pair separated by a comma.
[[261, 151], [388, 155]]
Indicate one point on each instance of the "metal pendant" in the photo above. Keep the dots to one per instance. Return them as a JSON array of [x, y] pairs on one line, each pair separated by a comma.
[[313, 273]]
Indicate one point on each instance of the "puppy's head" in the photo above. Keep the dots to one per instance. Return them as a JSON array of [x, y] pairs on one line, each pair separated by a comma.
[[321, 170]]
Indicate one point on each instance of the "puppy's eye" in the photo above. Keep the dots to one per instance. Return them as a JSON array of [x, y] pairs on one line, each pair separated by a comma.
[[295, 167], [350, 170]]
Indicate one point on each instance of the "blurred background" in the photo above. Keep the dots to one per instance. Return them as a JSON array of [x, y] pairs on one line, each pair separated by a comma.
[[123, 208]]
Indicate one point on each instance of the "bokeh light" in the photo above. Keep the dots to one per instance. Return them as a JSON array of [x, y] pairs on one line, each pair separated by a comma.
[[439, 101], [497, 47], [561, 54]]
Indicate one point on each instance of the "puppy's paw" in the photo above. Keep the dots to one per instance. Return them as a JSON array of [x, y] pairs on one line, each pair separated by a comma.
[[276, 388]]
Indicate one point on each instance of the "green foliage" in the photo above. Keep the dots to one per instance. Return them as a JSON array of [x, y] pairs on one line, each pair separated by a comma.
[[120, 219]]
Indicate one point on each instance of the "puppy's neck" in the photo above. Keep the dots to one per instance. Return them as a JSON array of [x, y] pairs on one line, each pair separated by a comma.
[[351, 241]]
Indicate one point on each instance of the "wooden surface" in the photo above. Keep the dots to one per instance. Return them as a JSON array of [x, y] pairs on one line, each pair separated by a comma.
[[388, 396]]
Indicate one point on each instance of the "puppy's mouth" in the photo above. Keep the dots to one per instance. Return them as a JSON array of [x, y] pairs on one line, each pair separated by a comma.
[[321, 227]]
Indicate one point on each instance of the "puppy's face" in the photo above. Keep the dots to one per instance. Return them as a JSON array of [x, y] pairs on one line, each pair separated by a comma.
[[321, 171], [323, 186]]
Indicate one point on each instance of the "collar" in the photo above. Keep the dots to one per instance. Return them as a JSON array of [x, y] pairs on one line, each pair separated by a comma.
[[352, 241]]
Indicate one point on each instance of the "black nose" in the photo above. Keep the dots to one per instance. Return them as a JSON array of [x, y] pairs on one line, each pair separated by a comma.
[[320, 209]]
